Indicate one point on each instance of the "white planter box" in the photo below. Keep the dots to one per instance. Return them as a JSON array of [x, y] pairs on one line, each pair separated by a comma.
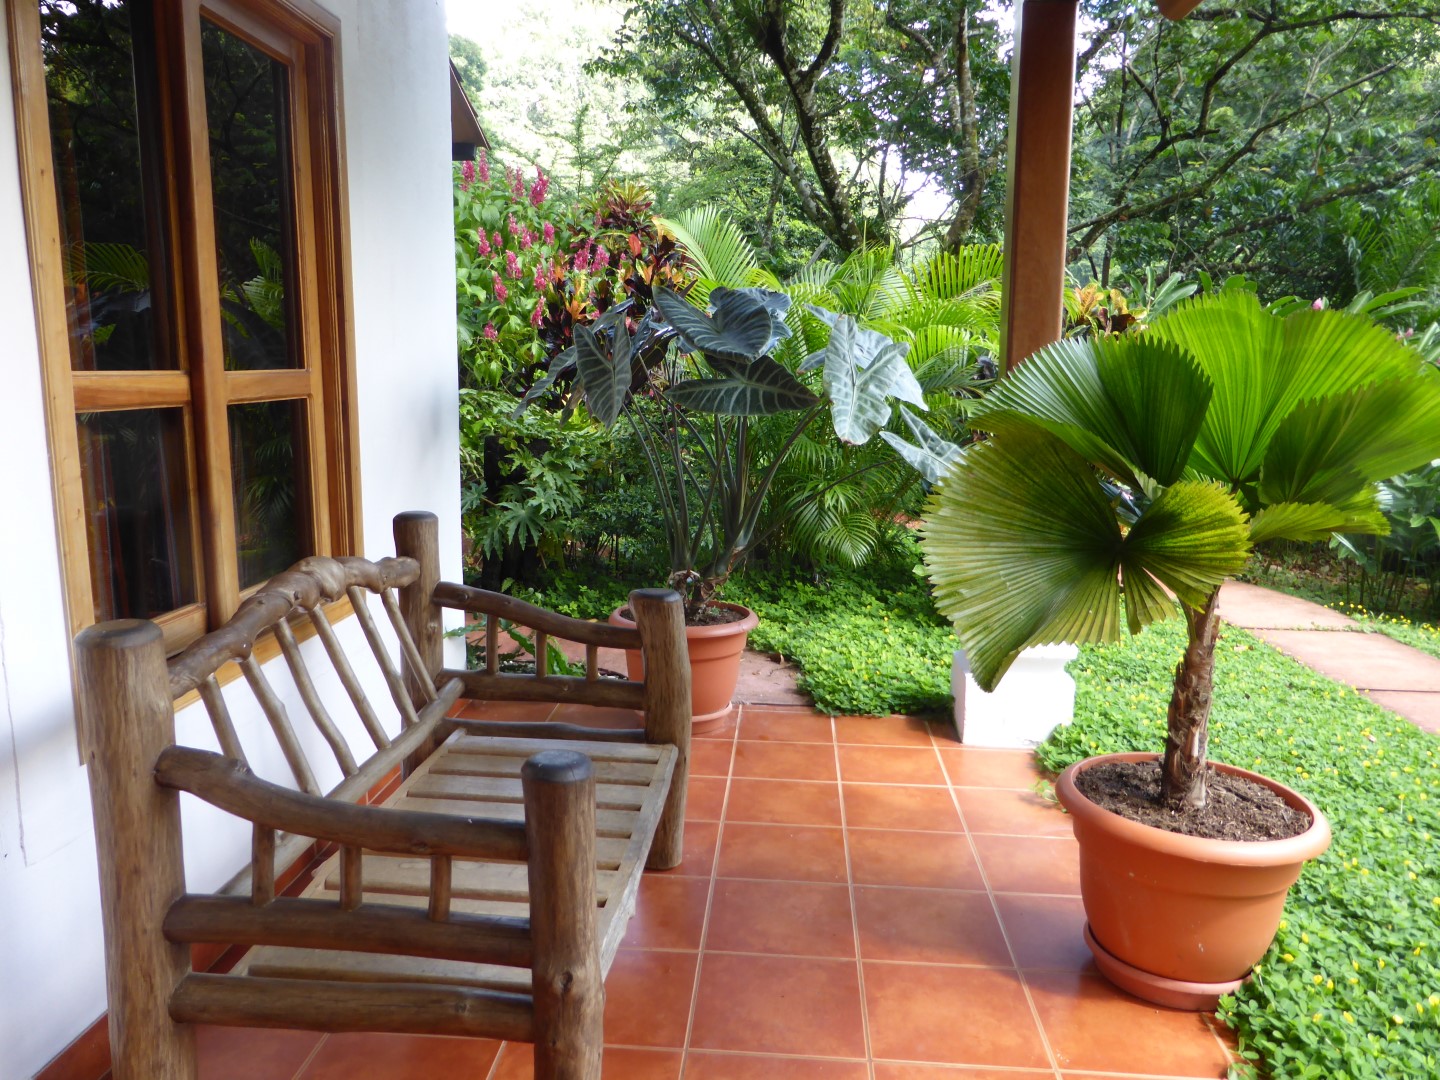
[[1036, 696]]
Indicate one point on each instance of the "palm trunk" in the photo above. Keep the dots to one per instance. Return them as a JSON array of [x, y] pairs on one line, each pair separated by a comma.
[[1182, 781]]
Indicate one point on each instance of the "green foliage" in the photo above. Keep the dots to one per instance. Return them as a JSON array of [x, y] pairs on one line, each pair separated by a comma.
[[533, 483], [1291, 421], [1346, 989], [867, 643]]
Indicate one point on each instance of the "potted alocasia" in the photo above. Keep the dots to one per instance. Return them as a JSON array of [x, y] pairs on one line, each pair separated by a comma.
[[1141, 469], [691, 384]]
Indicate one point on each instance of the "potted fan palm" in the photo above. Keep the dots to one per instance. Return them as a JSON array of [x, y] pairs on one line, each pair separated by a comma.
[[691, 383], [1125, 478]]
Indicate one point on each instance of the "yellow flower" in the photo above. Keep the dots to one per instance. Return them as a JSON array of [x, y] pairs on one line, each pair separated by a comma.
[[1289, 958], [1318, 979], [1348, 1018], [1381, 962], [1315, 1018], [1305, 938]]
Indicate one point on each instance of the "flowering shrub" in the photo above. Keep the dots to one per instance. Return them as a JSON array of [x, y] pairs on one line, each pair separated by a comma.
[[505, 230], [528, 268]]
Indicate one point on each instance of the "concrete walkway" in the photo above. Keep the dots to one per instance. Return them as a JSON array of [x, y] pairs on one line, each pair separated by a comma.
[[1404, 680]]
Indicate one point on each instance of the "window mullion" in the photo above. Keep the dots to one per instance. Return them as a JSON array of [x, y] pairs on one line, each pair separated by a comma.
[[200, 289]]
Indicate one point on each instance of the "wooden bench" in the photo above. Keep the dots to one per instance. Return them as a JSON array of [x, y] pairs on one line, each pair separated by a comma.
[[486, 896]]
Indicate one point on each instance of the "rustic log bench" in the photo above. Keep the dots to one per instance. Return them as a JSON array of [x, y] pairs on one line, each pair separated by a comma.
[[485, 896]]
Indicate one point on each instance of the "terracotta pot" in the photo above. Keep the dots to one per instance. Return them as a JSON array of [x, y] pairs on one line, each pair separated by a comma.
[[1180, 920], [714, 663]]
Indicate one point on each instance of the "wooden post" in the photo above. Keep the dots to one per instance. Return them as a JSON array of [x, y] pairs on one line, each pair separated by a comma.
[[1037, 190], [568, 990], [660, 617], [129, 720], [417, 535]]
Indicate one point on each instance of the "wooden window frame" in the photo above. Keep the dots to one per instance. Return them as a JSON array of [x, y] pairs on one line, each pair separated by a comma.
[[307, 39]]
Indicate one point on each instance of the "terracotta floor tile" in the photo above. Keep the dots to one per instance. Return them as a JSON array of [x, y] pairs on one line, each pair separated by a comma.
[[669, 913], [956, 1072], [889, 765], [596, 717], [892, 806], [373, 1056], [724, 732], [517, 1062], [950, 1015], [700, 841], [708, 1065], [705, 798], [970, 766], [785, 917], [882, 731], [925, 860], [229, 1053], [647, 998], [782, 852], [1030, 864], [1045, 931], [1013, 813], [784, 761], [785, 725], [503, 710], [779, 1005], [1093, 1026], [929, 926], [784, 802], [710, 757]]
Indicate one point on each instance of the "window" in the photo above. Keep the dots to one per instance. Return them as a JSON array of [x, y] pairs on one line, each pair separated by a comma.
[[183, 195]]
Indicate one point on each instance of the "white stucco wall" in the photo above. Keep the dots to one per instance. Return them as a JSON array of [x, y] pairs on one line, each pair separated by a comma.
[[396, 105]]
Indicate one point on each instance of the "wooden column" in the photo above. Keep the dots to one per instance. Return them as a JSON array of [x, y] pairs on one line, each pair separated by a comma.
[[660, 617], [417, 535], [568, 990], [1037, 190], [128, 721]]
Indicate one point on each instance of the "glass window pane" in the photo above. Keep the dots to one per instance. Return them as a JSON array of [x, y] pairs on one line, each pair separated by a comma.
[[137, 511], [272, 497], [107, 180], [246, 107]]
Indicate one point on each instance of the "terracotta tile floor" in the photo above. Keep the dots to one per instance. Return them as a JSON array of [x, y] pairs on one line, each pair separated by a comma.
[[861, 899]]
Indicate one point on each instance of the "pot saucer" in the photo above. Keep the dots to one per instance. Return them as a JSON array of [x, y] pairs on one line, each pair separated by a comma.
[[1171, 993]]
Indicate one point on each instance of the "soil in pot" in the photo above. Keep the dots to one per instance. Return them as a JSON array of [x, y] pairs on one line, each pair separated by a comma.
[[714, 615], [1236, 808]]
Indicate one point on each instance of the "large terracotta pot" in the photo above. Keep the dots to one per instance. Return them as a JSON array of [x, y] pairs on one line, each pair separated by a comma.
[[1180, 920], [714, 663]]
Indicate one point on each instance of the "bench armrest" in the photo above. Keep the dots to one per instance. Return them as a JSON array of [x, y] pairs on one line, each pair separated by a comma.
[[229, 785]]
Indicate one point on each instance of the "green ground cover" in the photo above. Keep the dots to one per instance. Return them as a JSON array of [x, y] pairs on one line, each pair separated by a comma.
[[1351, 987]]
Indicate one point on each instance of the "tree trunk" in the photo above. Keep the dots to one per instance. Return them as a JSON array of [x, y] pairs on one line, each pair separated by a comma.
[[1182, 781]]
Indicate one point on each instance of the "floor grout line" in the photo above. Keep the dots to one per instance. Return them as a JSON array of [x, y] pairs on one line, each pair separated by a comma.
[[710, 896], [854, 921], [1050, 1054]]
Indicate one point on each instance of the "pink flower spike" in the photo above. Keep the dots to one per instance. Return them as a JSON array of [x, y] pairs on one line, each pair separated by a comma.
[[467, 175], [484, 246], [484, 171], [549, 232], [501, 293], [512, 264], [499, 244], [1319, 304], [539, 188], [490, 332], [602, 259], [527, 239], [542, 276], [535, 315]]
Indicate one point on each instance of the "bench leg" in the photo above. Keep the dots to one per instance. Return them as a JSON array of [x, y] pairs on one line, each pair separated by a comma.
[[127, 720], [568, 990], [660, 615]]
